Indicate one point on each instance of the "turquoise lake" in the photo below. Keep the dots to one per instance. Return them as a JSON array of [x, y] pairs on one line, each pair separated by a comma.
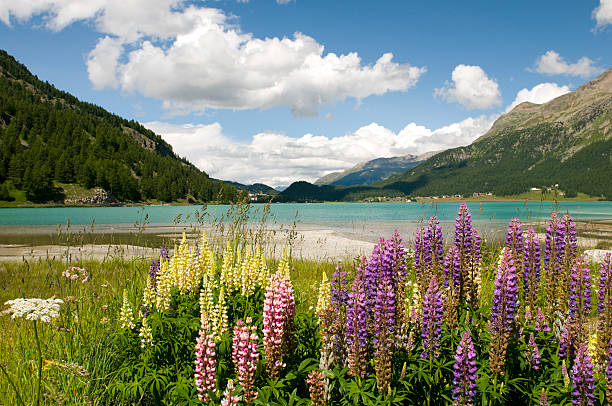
[[306, 212]]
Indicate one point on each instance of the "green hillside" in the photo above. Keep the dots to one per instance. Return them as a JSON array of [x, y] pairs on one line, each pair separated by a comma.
[[48, 137], [565, 142]]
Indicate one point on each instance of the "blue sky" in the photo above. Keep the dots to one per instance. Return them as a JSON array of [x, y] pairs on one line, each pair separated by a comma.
[[277, 91]]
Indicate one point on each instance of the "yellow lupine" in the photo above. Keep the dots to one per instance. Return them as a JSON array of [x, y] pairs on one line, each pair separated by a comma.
[[593, 350], [164, 284], [148, 295], [283, 265], [146, 335], [206, 299], [264, 272], [412, 302], [219, 319], [227, 268], [324, 294], [126, 315]]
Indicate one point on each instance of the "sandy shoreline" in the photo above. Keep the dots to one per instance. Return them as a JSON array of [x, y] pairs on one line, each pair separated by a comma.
[[314, 244], [326, 241]]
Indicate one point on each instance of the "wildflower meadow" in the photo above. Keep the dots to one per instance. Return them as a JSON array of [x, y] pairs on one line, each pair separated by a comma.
[[425, 319]]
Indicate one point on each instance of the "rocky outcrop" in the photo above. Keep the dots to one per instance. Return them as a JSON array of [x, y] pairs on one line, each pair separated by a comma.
[[97, 196]]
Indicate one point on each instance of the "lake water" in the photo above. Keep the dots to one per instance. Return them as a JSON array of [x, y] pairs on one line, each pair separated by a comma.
[[333, 213]]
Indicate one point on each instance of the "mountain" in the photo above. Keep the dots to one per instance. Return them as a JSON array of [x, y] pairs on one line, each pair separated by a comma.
[[565, 142], [366, 173], [257, 188], [49, 137]]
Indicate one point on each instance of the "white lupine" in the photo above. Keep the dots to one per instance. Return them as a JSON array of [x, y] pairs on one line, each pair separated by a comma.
[[34, 308]]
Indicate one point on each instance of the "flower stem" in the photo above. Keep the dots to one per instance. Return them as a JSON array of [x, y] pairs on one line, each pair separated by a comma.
[[10, 381], [39, 364]]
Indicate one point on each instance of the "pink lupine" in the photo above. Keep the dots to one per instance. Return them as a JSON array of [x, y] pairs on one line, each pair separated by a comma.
[[205, 371], [245, 356], [278, 312]]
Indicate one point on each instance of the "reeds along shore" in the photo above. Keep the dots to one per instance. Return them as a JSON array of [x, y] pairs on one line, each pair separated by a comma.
[[437, 320]]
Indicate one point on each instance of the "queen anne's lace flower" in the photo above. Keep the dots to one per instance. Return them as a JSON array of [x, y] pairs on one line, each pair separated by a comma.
[[34, 308]]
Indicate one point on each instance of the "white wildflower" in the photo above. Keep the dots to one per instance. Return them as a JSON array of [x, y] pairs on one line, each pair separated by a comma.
[[34, 308]]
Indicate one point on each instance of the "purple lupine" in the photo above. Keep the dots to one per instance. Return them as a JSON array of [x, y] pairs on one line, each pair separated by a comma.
[[543, 398], [564, 340], [514, 238], [579, 291], [604, 306], [431, 320], [383, 326], [503, 309], [583, 379], [374, 270], [532, 353], [394, 259], [165, 253], [464, 240], [422, 253], [605, 284], [452, 268], [463, 229], [609, 371], [153, 271], [541, 323], [464, 372], [553, 246], [570, 241], [339, 290], [435, 241], [356, 326], [338, 301], [531, 267]]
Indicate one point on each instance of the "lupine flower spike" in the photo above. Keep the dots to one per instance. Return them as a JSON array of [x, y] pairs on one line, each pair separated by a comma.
[[532, 353], [582, 378], [245, 356], [356, 326], [126, 316], [229, 399], [503, 311], [543, 398], [604, 305], [431, 320], [205, 365], [316, 387], [278, 313], [146, 335], [464, 372]]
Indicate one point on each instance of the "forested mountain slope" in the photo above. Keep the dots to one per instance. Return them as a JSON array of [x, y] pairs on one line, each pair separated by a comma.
[[48, 135]]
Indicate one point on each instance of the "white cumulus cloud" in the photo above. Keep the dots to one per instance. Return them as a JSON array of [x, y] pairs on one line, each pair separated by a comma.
[[542, 93], [472, 88], [603, 13], [102, 63], [551, 63], [195, 58], [277, 159]]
